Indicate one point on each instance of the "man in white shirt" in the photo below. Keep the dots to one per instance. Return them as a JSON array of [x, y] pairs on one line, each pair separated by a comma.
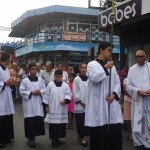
[[39, 70], [47, 73]]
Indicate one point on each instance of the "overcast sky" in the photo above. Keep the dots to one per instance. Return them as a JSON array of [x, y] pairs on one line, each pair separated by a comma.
[[11, 9]]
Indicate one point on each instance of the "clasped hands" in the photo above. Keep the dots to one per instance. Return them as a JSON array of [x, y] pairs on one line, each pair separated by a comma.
[[36, 92], [111, 98], [144, 93]]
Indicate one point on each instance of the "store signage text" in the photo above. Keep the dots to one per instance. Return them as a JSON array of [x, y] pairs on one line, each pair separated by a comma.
[[73, 36], [123, 12], [75, 60]]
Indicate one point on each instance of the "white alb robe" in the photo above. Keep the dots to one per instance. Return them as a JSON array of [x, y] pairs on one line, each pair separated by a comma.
[[96, 110], [39, 74], [32, 106], [79, 93], [6, 101], [139, 79], [53, 95]]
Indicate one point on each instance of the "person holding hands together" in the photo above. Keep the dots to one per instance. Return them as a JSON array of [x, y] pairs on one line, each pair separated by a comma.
[[6, 102]]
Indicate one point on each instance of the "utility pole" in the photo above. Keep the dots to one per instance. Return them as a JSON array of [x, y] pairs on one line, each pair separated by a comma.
[[113, 2]]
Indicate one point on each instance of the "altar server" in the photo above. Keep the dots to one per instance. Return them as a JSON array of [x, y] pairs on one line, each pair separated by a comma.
[[6, 102], [31, 90], [79, 93], [56, 97], [105, 126]]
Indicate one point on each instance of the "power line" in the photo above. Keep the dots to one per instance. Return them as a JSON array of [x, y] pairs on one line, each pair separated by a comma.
[[5, 28]]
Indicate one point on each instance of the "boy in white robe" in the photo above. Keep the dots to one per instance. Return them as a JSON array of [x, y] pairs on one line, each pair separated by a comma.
[[56, 97], [6, 102], [59, 66], [105, 129], [138, 85], [31, 90]]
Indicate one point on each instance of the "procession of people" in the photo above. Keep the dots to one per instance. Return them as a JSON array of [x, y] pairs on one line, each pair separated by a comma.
[[90, 98]]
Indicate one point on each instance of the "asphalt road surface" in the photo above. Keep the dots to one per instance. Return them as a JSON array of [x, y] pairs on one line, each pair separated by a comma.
[[43, 142]]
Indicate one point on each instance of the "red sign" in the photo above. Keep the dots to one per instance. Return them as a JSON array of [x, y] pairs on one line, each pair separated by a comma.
[[74, 36]]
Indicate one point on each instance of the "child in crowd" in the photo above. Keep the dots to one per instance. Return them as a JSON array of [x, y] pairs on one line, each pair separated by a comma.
[[31, 90], [56, 97], [79, 92], [70, 106]]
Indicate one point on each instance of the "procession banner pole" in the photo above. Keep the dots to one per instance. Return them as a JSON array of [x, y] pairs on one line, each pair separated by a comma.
[[111, 40]]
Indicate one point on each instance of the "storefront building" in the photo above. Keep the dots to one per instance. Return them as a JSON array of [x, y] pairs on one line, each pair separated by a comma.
[[58, 33], [132, 22]]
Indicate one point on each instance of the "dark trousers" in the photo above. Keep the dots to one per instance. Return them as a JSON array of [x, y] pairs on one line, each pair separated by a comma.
[[34, 126], [6, 128], [102, 139], [57, 131], [81, 129]]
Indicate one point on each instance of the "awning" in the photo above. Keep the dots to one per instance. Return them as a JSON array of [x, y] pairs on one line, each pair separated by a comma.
[[60, 46]]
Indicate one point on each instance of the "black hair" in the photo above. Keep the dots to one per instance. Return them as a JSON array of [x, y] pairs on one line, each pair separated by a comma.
[[103, 45], [58, 72], [4, 57], [81, 64], [76, 69], [68, 66], [58, 63], [31, 65], [72, 74], [23, 65]]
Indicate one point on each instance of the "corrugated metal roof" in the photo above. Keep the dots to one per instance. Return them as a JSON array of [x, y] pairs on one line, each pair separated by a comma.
[[33, 18]]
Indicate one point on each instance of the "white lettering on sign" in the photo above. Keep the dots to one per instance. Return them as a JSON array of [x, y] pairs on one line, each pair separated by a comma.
[[129, 11], [74, 36]]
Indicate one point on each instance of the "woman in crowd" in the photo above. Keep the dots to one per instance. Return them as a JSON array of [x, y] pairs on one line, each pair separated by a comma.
[[79, 92]]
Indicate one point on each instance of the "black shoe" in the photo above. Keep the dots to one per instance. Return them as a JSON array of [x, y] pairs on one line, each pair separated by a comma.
[[141, 147], [32, 143], [2, 145], [59, 142], [56, 142]]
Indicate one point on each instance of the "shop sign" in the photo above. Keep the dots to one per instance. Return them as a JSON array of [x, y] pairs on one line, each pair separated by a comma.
[[123, 12], [74, 36], [75, 60]]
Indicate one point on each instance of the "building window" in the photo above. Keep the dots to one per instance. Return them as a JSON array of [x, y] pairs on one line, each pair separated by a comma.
[[72, 27]]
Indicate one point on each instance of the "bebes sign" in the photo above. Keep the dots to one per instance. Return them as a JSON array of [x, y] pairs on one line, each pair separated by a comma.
[[124, 11]]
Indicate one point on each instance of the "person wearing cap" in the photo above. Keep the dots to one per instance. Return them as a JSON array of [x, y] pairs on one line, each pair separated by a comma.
[[47, 73], [39, 70]]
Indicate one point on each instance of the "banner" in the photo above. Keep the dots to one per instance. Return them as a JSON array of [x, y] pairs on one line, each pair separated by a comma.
[[74, 36]]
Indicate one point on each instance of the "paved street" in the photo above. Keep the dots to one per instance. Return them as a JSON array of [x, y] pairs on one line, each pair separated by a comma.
[[43, 142]]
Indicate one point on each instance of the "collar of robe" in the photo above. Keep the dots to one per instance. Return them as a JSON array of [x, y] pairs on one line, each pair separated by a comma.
[[33, 79], [58, 84], [3, 67], [101, 62], [83, 78]]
